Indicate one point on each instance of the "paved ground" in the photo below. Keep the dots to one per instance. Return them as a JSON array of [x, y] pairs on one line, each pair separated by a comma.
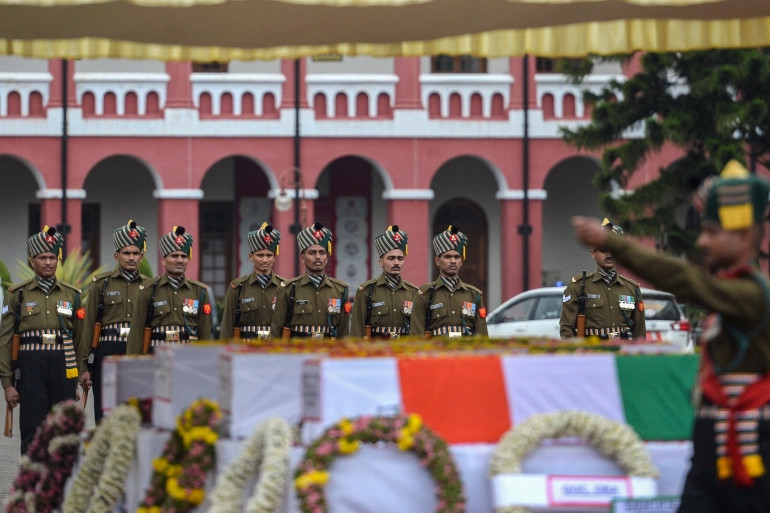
[[9, 450]]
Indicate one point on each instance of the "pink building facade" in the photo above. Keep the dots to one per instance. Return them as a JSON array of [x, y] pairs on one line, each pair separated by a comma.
[[364, 142]]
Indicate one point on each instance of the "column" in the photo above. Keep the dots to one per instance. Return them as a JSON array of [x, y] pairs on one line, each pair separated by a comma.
[[179, 88], [410, 210], [288, 70], [179, 207], [408, 87]]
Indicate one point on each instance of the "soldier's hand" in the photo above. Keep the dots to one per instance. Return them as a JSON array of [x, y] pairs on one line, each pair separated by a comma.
[[589, 231], [11, 396], [85, 380]]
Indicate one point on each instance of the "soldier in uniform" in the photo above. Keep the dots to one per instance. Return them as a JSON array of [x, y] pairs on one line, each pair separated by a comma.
[[448, 306], [110, 304], [313, 304], [47, 315], [384, 304], [250, 300], [731, 435], [176, 310], [613, 303]]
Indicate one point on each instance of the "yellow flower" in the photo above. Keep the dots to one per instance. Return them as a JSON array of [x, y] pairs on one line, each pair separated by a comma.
[[151, 509], [414, 424], [348, 446], [160, 465], [405, 440], [193, 496], [199, 433], [346, 426], [314, 477]]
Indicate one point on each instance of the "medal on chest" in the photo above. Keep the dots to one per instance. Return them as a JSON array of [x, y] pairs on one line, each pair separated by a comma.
[[190, 306], [469, 309], [626, 302], [335, 306], [407, 308], [64, 308]]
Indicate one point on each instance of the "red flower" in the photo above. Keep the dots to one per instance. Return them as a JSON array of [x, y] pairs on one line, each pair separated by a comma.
[[483, 312], [207, 309], [348, 308], [81, 313]]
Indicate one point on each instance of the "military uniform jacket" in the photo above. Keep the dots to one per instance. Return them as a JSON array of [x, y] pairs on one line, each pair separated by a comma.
[[449, 311], [737, 298], [256, 304], [40, 311], [168, 309], [119, 299], [605, 306], [311, 307], [391, 309]]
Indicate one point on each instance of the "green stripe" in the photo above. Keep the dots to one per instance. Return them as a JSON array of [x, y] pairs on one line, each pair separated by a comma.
[[656, 393]]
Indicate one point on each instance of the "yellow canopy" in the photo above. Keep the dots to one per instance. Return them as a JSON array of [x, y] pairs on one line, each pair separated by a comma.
[[207, 30]]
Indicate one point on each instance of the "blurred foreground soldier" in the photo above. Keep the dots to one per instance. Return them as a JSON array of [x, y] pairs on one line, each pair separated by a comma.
[[313, 304], [383, 306], [731, 437], [448, 306], [170, 308], [250, 300], [44, 317], [611, 304], [110, 304]]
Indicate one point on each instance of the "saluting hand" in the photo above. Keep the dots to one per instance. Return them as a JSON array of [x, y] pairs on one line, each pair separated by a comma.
[[589, 231]]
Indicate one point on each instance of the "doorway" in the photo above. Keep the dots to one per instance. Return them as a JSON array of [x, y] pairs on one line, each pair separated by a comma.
[[470, 219]]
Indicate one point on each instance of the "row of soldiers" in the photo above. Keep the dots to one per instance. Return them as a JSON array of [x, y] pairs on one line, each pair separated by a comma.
[[50, 339]]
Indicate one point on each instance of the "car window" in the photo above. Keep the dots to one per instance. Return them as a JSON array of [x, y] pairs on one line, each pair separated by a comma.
[[549, 307], [662, 309], [519, 311]]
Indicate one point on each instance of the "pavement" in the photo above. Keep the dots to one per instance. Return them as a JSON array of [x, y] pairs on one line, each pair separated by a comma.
[[10, 447]]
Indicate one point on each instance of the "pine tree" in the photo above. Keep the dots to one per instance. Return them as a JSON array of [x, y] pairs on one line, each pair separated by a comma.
[[712, 105]]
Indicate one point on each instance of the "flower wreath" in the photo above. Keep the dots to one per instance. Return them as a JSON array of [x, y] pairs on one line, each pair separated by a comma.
[[407, 432], [266, 451], [179, 475], [99, 483], [613, 439], [44, 469]]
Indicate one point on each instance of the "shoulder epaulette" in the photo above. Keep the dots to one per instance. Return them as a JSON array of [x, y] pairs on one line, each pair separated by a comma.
[[629, 280], [198, 283], [286, 283], [338, 282], [475, 289], [426, 287], [69, 286], [410, 285], [241, 279], [579, 277], [143, 277], [99, 276], [13, 288], [279, 278], [149, 282], [366, 283]]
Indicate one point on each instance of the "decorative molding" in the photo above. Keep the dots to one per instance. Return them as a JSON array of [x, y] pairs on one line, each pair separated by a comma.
[[78, 194], [518, 194], [195, 194], [408, 194], [310, 194]]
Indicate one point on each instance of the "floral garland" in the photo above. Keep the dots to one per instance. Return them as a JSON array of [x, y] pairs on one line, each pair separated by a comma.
[[266, 451], [44, 469], [179, 475], [99, 484], [613, 439], [407, 432]]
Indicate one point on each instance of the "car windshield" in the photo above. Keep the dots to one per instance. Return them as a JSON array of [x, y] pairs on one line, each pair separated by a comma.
[[661, 308]]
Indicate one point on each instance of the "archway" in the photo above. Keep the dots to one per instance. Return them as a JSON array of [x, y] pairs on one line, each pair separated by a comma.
[[17, 195]]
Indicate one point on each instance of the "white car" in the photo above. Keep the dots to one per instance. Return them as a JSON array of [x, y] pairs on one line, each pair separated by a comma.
[[535, 314]]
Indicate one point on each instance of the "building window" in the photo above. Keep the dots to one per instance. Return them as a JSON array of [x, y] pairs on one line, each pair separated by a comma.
[[458, 64], [546, 65], [210, 67]]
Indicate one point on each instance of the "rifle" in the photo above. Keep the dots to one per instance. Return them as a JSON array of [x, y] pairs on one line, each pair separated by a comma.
[[427, 333], [581, 317], [286, 332], [368, 324], [147, 333], [97, 335], [237, 317], [15, 343]]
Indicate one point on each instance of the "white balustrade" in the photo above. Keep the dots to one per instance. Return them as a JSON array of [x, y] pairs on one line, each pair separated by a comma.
[[237, 85], [332, 85], [559, 87], [24, 84], [466, 85], [121, 85]]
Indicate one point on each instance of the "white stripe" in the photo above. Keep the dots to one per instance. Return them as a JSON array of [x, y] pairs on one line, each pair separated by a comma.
[[544, 383]]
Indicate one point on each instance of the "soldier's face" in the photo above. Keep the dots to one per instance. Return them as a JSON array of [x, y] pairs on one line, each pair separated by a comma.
[[392, 262], [604, 259], [129, 258], [449, 263], [314, 259], [722, 249], [263, 261], [44, 265], [175, 263]]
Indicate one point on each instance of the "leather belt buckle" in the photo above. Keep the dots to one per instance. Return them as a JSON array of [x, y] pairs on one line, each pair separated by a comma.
[[394, 335], [317, 336], [173, 336], [263, 334], [124, 332], [453, 334], [49, 338]]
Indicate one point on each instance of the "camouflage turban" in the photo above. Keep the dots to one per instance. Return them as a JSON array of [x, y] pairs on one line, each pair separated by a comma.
[[393, 238], [130, 235], [451, 239], [47, 241], [175, 240], [266, 237], [315, 234], [736, 199]]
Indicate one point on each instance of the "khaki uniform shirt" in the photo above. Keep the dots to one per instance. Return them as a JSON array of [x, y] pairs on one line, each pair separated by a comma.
[[310, 309], [391, 309], [119, 299], [605, 307], [39, 311], [461, 311], [737, 297], [256, 304], [168, 310]]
